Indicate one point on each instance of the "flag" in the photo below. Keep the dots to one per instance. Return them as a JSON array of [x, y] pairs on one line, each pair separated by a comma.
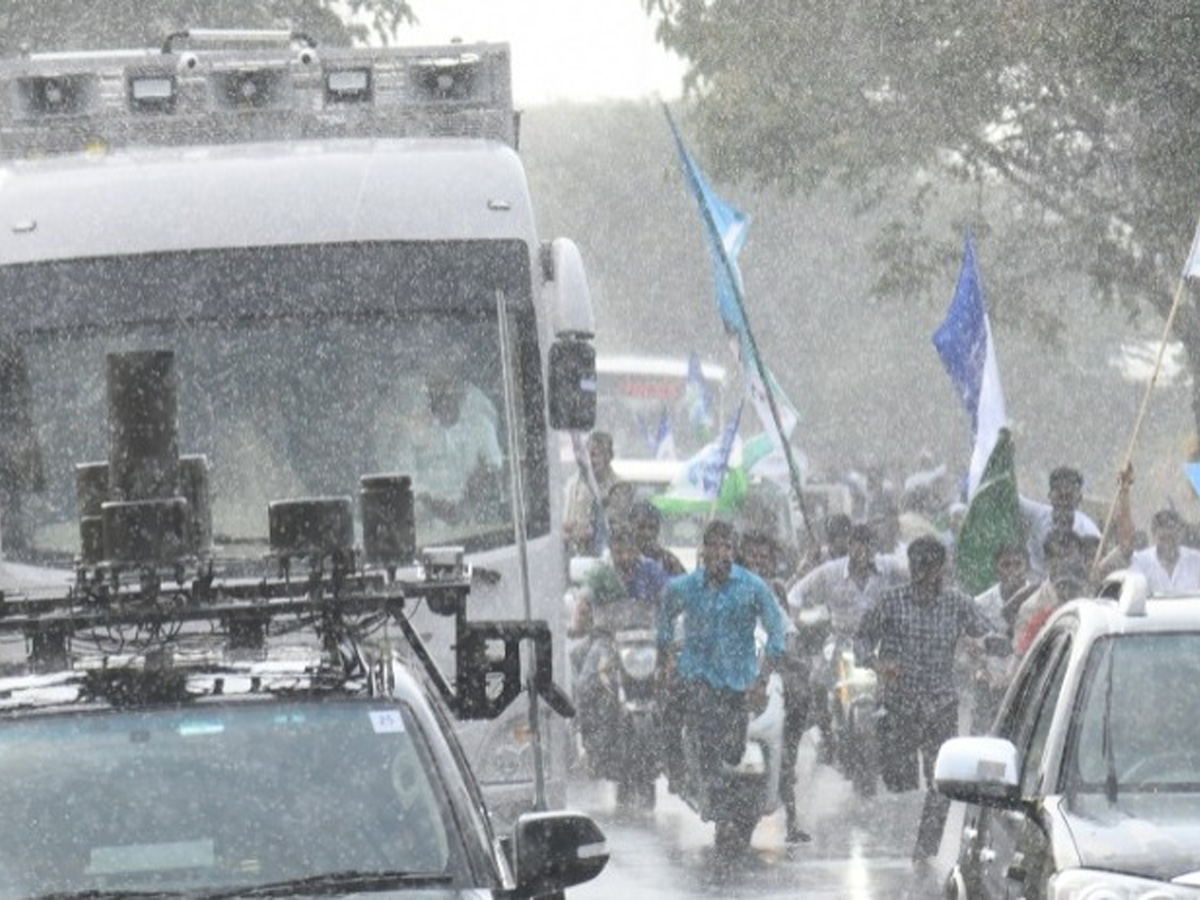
[[664, 438], [698, 400], [788, 416], [714, 475], [764, 460], [727, 224], [993, 519], [726, 228], [1192, 470], [1192, 267], [964, 342]]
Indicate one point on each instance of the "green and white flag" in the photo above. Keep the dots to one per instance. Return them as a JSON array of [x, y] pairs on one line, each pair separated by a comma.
[[993, 519]]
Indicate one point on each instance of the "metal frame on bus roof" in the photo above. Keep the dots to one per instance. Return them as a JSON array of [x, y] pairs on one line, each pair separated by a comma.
[[251, 87]]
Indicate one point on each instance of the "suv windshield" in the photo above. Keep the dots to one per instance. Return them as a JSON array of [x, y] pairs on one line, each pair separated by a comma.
[[218, 797], [1139, 726], [299, 370]]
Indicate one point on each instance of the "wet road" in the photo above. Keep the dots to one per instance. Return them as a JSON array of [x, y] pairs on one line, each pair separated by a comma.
[[860, 849]]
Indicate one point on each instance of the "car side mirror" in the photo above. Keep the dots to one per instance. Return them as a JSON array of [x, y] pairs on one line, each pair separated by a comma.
[[552, 851], [572, 385], [979, 770]]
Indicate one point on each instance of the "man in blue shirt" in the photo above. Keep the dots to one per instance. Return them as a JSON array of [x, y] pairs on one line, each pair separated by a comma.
[[717, 664]]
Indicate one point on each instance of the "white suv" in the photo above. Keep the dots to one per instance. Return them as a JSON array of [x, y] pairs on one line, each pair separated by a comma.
[[1089, 786]]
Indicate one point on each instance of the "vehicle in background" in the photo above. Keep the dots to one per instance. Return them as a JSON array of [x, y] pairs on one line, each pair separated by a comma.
[[312, 231], [1089, 784], [640, 400]]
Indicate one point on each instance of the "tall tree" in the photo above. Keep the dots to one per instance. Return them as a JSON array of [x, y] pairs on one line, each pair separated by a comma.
[[75, 24], [1082, 111]]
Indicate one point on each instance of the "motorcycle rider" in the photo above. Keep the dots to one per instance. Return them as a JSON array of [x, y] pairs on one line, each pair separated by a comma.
[[626, 577], [717, 664], [647, 524], [843, 589]]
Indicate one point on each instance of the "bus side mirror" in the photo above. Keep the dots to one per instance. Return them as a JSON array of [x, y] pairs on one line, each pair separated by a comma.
[[572, 385]]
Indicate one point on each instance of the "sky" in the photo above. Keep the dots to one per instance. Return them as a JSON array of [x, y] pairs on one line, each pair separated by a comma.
[[572, 50]]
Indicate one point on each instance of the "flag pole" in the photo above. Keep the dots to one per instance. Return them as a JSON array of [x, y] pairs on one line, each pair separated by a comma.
[[714, 235], [1137, 425]]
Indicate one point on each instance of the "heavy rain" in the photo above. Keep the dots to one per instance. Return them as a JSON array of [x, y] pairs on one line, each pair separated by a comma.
[[886, 310]]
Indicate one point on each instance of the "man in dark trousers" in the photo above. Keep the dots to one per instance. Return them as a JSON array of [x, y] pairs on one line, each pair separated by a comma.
[[910, 637], [717, 664]]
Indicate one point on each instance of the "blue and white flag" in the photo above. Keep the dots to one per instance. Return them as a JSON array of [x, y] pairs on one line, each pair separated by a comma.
[[730, 225], [726, 228], [964, 342], [664, 438], [1192, 470], [702, 479], [697, 397]]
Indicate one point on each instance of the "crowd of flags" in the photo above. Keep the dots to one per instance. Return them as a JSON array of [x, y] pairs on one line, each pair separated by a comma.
[[719, 474], [716, 477]]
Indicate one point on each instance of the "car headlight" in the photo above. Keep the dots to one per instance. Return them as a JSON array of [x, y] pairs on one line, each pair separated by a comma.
[[639, 662], [1092, 884], [509, 754]]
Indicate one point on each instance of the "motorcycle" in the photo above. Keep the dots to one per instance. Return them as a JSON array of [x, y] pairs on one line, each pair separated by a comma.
[[852, 703], [854, 711], [619, 709], [740, 795]]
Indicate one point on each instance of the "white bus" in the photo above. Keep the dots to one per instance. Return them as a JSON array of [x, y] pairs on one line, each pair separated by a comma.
[[309, 230]]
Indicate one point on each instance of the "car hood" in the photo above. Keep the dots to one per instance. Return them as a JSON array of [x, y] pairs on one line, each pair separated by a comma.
[[1152, 835]]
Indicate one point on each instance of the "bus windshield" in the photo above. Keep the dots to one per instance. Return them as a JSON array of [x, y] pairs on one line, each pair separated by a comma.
[[299, 370]]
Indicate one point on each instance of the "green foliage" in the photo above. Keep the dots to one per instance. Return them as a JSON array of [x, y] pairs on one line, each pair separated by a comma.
[[75, 24], [1066, 127]]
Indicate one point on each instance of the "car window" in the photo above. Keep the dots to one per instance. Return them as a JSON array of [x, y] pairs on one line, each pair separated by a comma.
[[1139, 722], [1043, 716], [1016, 718]]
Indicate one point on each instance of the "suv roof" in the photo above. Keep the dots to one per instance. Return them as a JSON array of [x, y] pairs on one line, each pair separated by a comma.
[[1125, 606]]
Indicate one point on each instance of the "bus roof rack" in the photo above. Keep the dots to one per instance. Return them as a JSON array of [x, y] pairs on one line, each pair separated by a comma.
[[249, 86]]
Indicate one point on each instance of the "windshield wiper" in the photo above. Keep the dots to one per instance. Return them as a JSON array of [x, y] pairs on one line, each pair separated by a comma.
[[334, 883]]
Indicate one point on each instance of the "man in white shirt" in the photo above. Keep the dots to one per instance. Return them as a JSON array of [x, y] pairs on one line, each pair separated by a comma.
[[1169, 567], [1066, 493], [841, 591], [457, 458], [849, 586]]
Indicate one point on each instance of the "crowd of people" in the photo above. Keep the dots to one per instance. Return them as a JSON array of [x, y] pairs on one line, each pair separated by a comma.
[[882, 579]]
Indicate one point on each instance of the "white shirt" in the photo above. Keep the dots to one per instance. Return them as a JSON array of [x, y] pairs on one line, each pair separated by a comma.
[[1039, 520], [442, 458], [831, 586], [1183, 578]]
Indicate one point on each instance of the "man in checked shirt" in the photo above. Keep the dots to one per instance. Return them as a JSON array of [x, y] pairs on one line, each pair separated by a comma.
[[909, 637]]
